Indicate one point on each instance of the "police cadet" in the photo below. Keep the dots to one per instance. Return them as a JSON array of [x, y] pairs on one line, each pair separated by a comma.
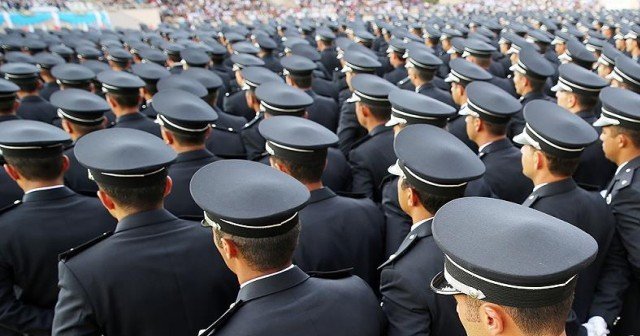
[[122, 92], [577, 91], [520, 278], [254, 78], [267, 46], [235, 102], [407, 108], [225, 140], [45, 62], [625, 74], [328, 55], [461, 73], [71, 75], [81, 112], [632, 46], [578, 54], [194, 58], [162, 269], [530, 73], [185, 122], [479, 53], [49, 220], [607, 60], [487, 114], [355, 63], [32, 106], [434, 168], [615, 305], [9, 190], [150, 73], [553, 141], [298, 73], [257, 243], [421, 67], [119, 59], [336, 232], [395, 52], [372, 154]]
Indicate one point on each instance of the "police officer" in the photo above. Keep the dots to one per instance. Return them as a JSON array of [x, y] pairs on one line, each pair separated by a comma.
[[150, 73], [522, 278], [150, 252], [615, 305], [625, 74], [578, 54], [122, 92], [487, 115], [553, 141], [235, 102], [395, 53], [71, 75], [299, 148], [577, 91], [258, 241], [81, 113], [49, 220], [32, 106], [267, 46], [373, 154], [9, 190], [434, 168], [479, 53], [119, 59], [407, 108], [185, 122], [45, 62], [607, 60], [421, 66], [328, 55]]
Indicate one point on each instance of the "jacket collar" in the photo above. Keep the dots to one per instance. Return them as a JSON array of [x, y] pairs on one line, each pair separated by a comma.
[[130, 117], [321, 195], [532, 95], [497, 146], [8, 117], [425, 86], [193, 155], [310, 93], [144, 218], [48, 194], [272, 284], [379, 130], [587, 115], [424, 230], [34, 98], [550, 189]]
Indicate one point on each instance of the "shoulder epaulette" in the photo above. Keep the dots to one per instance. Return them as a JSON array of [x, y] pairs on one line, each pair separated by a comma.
[[10, 206], [224, 129], [64, 256], [337, 274], [219, 323], [250, 123]]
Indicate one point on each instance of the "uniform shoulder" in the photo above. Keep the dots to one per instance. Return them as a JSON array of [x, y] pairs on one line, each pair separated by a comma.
[[10, 207], [65, 256]]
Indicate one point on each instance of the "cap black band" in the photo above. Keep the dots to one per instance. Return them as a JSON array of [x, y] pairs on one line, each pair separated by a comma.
[[307, 156], [129, 180], [83, 118], [32, 151], [487, 115], [440, 189], [549, 147], [256, 230]]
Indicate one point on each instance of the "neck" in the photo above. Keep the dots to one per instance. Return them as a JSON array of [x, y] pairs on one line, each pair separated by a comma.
[[576, 109], [186, 148], [314, 185], [120, 213], [627, 156], [27, 185], [22, 94], [484, 138], [419, 213], [122, 111], [321, 47], [526, 91], [245, 274], [635, 52], [371, 124], [547, 177], [417, 82]]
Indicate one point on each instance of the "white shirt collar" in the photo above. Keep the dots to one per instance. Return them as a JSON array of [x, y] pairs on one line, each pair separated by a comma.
[[415, 225], [45, 188], [266, 276], [539, 186], [620, 167], [418, 88], [484, 146]]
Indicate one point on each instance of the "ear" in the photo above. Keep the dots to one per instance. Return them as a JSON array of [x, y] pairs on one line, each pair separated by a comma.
[[16, 104], [365, 110], [65, 163], [167, 187], [12, 172], [492, 318], [413, 199], [229, 248], [66, 126], [167, 136], [478, 124], [539, 161], [106, 201], [288, 80], [622, 140], [207, 133], [572, 100], [306, 115], [112, 102]]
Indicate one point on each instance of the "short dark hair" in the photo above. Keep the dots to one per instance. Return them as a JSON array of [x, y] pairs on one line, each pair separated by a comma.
[[495, 128], [301, 81], [126, 100], [152, 88], [6, 106], [29, 86], [174, 57], [378, 111], [430, 202], [82, 86], [425, 75], [536, 84], [305, 172], [532, 321], [143, 197], [562, 166], [586, 101], [633, 134], [264, 253], [85, 129], [189, 139], [631, 87], [36, 168]]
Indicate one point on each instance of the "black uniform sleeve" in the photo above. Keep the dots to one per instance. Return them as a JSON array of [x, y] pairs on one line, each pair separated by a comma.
[[73, 314], [349, 130], [362, 182], [404, 315]]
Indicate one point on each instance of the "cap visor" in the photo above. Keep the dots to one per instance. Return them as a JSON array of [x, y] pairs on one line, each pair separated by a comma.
[[604, 121], [465, 54], [564, 57], [450, 78], [346, 69], [451, 51], [395, 170], [441, 286], [354, 98], [522, 139], [465, 111], [394, 121], [512, 50]]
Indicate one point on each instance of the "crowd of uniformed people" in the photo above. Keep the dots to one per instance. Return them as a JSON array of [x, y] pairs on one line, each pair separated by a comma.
[[436, 174]]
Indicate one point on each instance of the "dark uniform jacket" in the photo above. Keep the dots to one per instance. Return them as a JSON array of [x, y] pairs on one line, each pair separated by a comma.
[[504, 171], [370, 158], [430, 90], [458, 127], [411, 307], [272, 63], [329, 58], [138, 121], [619, 287], [148, 110], [396, 75], [179, 202], [595, 170], [48, 89], [339, 233], [77, 177], [36, 108], [9, 190], [324, 111], [225, 140], [324, 88], [293, 303], [587, 211], [516, 125], [32, 234], [253, 141], [236, 104], [349, 129], [154, 275]]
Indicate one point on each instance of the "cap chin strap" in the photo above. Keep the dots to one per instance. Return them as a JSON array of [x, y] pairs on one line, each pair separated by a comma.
[[472, 292]]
